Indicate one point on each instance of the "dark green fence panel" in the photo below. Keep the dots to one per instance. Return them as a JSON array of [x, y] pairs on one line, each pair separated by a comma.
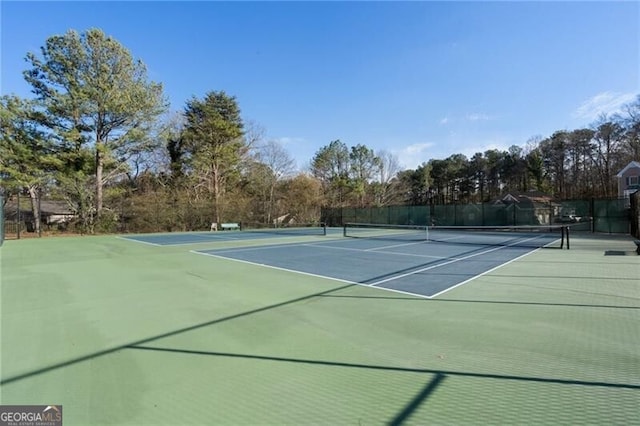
[[399, 215], [494, 214], [634, 204], [576, 208], [348, 215], [468, 214], [362, 215], [332, 216], [444, 215], [602, 215], [380, 215], [419, 215], [611, 216]]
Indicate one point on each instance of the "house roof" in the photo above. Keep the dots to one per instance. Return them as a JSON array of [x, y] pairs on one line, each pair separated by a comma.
[[532, 196], [47, 207], [55, 207], [631, 165]]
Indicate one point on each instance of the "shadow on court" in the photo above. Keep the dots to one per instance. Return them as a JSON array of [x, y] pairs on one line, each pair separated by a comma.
[[420, 398], [496, 302], [88, 357]]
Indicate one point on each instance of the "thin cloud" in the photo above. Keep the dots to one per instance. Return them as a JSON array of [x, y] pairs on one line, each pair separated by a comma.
[[475, 116], [478, 117], [417, 148], [287, 140], [411, 156], [606, 103]]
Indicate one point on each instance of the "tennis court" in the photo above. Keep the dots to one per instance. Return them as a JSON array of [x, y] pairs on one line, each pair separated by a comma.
[[396, 258], [125, 333]]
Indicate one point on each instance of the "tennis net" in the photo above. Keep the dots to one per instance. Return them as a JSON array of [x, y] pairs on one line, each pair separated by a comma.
[[520, 236], [292, 228]]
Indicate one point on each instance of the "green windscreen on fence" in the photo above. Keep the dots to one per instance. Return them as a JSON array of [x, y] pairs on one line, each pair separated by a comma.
[[611, 215], [491, 214], [634, 204], [511, 236]]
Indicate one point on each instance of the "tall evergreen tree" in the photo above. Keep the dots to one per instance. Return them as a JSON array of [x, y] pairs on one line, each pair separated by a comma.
[[27, 159], [213, 136], [330, 165], [95, 93], [364, 167]]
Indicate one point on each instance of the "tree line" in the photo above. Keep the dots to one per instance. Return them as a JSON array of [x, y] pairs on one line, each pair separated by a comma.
[[99, 135], [569, 164]]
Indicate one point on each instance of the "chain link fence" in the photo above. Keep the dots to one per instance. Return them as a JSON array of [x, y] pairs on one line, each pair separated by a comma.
[[161, 214], [594, 215]]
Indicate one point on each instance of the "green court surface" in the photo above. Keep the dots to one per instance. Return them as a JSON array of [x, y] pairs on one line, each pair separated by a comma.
[[125, 333]]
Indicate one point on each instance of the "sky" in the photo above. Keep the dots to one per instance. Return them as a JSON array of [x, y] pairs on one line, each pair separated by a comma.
[[421, 80]]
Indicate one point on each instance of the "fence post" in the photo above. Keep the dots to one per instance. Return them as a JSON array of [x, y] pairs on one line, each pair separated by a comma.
[[635, 214], [18, 217], [1, 219], [39, 222], [455, 214]]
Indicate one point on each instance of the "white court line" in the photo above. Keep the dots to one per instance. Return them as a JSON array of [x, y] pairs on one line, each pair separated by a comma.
[[213, 240], [323, 244], [320, 245], [374, 285], [484, 273], [270, 246], [396, 245], [439, 240], [252, 248], [271, 266], [414, 243], [200, 241], [309, 274], [449, 262], [138, 241]]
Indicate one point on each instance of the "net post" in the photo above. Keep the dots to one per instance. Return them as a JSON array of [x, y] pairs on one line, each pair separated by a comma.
[[567, 232], [344, 230]]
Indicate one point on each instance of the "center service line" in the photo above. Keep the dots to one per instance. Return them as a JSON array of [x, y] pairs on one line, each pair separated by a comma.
[[448, 263]]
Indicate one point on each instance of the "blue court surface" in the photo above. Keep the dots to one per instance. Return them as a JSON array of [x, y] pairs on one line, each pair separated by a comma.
[[184, 238], [420, 268]]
